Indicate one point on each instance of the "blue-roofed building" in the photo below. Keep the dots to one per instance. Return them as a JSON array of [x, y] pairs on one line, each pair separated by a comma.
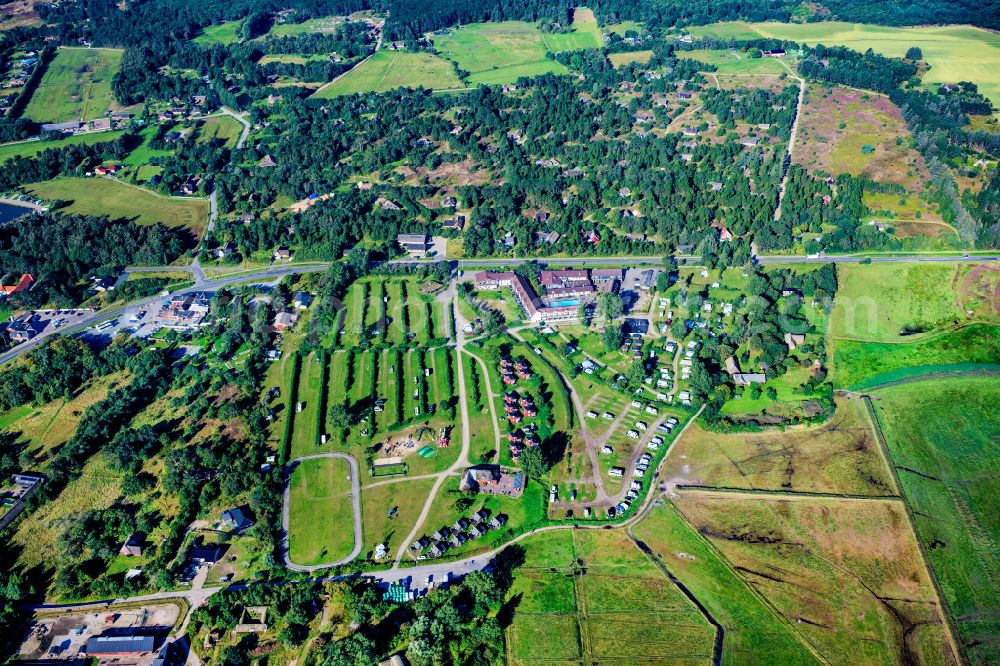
[[135, 644]]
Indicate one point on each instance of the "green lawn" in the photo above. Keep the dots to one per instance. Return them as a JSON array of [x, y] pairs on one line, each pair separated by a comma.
[[955, 53], [100, 196], [944, 437], [31, 148], [407, 497], [143, 153], [76, 86], [320, 519], [304, 438], [226, 128], [388, 70], [293, 58], [221, 33], [731, 62], [495, 53]]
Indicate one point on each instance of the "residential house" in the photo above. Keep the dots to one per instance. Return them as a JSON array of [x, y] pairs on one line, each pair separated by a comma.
[[302, 300], [267, 162], [282, 253], [224, 251], [284, 321], [23, 284], [132, 546], [238, 518]]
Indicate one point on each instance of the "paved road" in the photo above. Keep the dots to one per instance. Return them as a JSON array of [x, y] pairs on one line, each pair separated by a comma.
[[355, 507], [265, 275]]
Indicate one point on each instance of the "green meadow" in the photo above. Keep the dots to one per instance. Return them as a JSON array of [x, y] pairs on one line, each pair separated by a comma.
[[387, 70], [955, 53], [220, 33], [732, 62], [326, 24], [76, 86], [944, 437], [101, 196], [9, 151], [495, 53]]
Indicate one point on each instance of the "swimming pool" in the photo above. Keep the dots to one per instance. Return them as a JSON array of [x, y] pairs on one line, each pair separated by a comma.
[[562, 304]]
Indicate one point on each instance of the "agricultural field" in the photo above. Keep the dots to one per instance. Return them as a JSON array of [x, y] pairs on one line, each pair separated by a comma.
[[848, 573], [76, 86], [594, 595], [734, 62], [955, 53], [220, 33], [320, 513], [944, 438], [843, 130], [9, 151], [495, 53], [841, 456], [752, 630], [894, 302], [101, 196], [388, 70]]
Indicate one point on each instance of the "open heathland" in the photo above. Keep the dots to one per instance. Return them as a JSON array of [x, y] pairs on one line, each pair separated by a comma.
[[840, 456], [843, 130], [848, 573], [608, 600], [76, 86], [319, 529], [388, 70], [102, 196], [944, 438], [753, 631], [955, 53], [495, 53]]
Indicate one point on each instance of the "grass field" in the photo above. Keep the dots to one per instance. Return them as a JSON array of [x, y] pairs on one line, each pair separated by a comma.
[[388, 70], [407, 497], [955, 53], [101, 196], [326, 24], [220, 33], [865, 364], [76, 86], [894, 302], [622, 59], [584, 35], [594, 595], [31, 148], [320, 513], [304, 438], [220, 127], [840, 456], [731, 62], [944, 437], [846, 574], [495, 53], [753, 632]]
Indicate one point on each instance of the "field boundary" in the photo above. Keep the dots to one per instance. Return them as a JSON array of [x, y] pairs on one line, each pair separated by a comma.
[[943, 610], [781, 494]]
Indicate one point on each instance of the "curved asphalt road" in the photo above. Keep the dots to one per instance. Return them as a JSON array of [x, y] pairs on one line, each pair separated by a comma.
[[355, 506]]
